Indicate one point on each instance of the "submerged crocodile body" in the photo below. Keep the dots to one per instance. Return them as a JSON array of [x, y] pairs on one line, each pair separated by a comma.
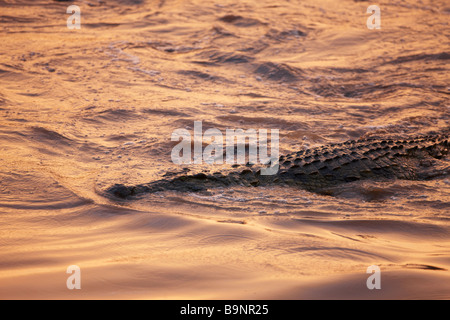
[[319, 169]]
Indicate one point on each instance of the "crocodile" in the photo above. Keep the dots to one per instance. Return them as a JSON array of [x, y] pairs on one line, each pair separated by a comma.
[[321, 168]]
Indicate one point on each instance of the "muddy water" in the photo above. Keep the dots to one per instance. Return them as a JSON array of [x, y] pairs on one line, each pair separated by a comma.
[[81, 110]]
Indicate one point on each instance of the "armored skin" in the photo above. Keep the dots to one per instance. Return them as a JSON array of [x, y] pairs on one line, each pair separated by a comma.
[[319, 169]]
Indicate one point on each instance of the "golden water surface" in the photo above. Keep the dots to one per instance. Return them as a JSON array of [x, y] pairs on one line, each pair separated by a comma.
[[83, 109]]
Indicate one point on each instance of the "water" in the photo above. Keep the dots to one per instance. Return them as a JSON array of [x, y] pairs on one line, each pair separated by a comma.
[[84, 109]]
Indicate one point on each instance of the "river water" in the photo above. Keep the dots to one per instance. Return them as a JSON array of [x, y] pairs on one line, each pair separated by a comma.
[[84, 109]]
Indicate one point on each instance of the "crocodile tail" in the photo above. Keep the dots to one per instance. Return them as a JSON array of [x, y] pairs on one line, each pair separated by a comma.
[[441, 148]]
